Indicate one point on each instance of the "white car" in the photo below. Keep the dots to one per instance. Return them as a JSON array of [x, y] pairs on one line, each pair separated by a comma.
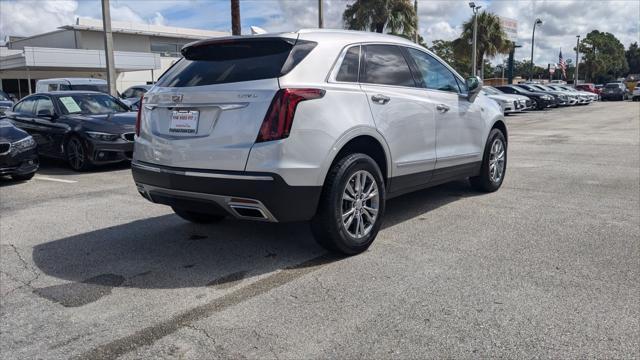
[[510, 103], [315, 125], [67, 84], [635, 96]]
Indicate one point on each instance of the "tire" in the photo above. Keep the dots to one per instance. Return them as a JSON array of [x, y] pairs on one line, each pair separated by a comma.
[[328, 228], [489, 180], [76, 152], [23, 177], [197, 217]]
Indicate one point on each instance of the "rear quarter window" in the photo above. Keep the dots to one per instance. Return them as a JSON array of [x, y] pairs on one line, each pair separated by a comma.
[[229, 61]]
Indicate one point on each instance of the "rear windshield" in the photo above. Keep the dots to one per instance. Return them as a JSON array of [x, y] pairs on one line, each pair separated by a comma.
[[229, 61]]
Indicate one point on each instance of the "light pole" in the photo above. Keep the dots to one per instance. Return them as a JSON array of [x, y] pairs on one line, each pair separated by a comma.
[[108, 48], [415, 8], [474, 63], [533, 38], [320, 15], [577, 59]]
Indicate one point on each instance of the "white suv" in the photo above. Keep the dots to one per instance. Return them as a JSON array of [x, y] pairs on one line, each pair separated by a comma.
[[320, 125]]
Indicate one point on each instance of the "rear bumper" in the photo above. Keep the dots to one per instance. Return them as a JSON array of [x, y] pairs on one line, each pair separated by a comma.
[[243, 195]]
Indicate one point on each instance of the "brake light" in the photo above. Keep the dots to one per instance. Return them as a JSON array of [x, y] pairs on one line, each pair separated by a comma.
[[277, 123], [138, 117]]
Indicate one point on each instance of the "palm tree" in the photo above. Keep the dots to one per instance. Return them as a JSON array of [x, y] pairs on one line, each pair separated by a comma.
[[492, 39], [396, 16]]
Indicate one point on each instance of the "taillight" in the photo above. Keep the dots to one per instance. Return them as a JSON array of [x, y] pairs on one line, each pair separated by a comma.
[[277, 123], [138, 117]]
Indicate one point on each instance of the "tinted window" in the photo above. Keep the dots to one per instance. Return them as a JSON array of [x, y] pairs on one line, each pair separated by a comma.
[[4, 96], [385, 64], [234, 61], [350, 66], [52, 87], [95, 87], [128, 93], [64, 87], [25, 106], [434, 75], [44, 104]]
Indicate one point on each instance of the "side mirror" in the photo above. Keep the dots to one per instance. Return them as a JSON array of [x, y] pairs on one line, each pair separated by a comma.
[[46, 113], [474, 85]]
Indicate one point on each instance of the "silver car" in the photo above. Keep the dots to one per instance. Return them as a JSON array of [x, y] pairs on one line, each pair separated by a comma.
[[315, 125]]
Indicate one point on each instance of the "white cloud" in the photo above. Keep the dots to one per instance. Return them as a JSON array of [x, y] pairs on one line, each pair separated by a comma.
[[158, 19], [23, 18]]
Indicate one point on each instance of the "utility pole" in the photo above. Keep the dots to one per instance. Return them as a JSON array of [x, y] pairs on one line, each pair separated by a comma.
[[108, 48], [320, 15], [474, 61], [415, 8], [533, 38], [235, 17], [577, 59]]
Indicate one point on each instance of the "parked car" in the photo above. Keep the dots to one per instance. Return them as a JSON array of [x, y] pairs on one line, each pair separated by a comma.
[[581, 98], [5, 102], [312, 125], [561, 99], [635, 96], [589, 87], [615, 91], [18, 156], [510, 103], [591, 97], [132, 95], [66, 84], [85, 128], [540, 100]]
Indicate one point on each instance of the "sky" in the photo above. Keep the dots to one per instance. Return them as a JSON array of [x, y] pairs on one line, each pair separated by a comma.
[[439, 19]]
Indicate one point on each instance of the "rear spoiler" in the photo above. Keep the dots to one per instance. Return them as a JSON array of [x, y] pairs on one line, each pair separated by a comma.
[[239, 39]]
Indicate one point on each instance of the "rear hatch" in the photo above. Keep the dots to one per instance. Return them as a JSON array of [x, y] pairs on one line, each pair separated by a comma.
[[206, 111]]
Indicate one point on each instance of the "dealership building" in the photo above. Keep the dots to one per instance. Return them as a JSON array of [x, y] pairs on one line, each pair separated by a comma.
[[142, 53]]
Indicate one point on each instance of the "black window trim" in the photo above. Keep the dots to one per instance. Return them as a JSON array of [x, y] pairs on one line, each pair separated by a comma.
[[33, 107], [331, 77], [53, 102]]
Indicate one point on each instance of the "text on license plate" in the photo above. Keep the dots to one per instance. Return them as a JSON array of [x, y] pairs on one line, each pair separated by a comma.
[[184, 122]]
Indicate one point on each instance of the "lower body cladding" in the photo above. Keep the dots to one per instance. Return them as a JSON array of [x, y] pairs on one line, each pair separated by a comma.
[[243, 195], [20, 164]]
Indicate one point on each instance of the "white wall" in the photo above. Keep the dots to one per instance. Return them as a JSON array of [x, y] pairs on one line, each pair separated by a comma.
[[58, 39]]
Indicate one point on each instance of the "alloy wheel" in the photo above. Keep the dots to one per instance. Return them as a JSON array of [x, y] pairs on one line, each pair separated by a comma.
[[75, 153], [360, 204], [496, 161]]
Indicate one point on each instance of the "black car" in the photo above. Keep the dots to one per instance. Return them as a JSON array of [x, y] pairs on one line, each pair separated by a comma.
[[85, 128], [18, 154], [541, 100], [559, 99], [615, 91], [5, 102]]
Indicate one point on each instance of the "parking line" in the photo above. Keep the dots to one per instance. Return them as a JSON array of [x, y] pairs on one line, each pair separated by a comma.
[[46, 178]]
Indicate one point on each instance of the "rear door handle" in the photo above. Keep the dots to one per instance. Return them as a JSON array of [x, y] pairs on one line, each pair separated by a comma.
[[380, 99], [442, 108]]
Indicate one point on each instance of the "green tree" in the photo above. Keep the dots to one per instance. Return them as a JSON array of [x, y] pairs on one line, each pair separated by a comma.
[[633, 58], [444, 49], [491, 38], [393, 16], [603, 56]]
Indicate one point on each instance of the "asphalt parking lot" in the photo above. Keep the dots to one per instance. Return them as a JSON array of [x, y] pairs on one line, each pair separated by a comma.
[[546, 267]]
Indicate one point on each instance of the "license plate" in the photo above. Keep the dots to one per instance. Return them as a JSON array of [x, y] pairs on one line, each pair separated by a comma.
[[184, 122]]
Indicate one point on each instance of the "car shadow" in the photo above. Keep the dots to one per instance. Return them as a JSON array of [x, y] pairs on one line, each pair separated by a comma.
[[56, 167], [166, 252]]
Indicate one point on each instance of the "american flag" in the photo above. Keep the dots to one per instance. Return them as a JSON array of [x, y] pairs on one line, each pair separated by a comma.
[[563, 65]]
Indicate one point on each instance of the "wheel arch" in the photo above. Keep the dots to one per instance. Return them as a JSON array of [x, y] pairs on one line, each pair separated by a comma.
[[500, 125], [368, 142]]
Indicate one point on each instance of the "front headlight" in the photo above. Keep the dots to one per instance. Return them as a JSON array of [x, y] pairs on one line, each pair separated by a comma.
[[102, 136], [23, 145]]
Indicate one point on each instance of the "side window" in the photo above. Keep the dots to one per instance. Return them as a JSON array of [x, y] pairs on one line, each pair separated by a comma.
[[128, 93], [25, 107], [52, 87], [137, 93], [385, 65], [44, 104], [434, 75], [64, 87], [350, 66]]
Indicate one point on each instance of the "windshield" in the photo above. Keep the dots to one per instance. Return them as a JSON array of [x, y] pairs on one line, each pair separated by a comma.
[[612, 86], [493, 91], [4, 96], [91, 87], [90, 104]]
